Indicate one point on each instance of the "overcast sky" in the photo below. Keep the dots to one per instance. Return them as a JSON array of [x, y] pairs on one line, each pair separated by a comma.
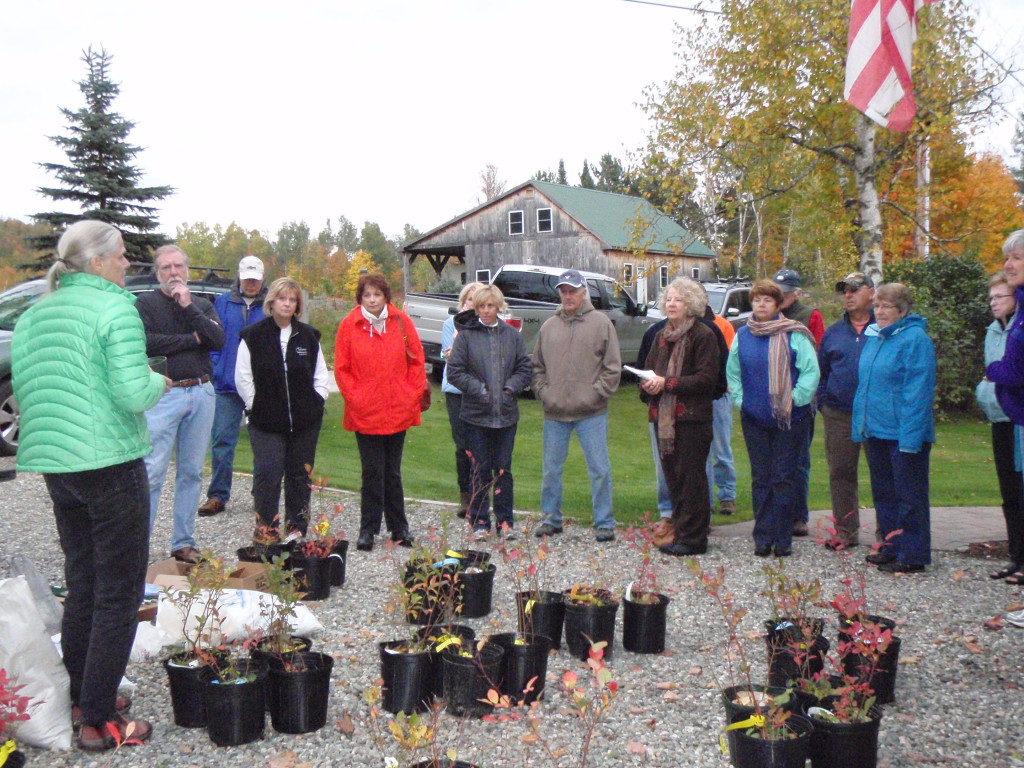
[[380, 110]]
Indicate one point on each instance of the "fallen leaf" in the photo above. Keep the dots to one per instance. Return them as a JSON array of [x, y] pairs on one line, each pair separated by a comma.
[[636, 748], [652, 724], [996, 622], [636, 669], [636, 711], [284, 759], [696, 671], [530, 738], [345, 724], [972, 645], [667, 686], [670, 697], [909, 659], [958, 574], [905, 717]]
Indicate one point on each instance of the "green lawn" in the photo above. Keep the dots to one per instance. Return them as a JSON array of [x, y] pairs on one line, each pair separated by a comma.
[[962, 471]]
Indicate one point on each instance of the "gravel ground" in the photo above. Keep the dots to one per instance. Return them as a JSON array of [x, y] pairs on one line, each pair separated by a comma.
[[668, 713]]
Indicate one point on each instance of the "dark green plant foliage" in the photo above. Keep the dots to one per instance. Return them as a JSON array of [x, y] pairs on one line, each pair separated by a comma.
[[950, 293], [99, 176]]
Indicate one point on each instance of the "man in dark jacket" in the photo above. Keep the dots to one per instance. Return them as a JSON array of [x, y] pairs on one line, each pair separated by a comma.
[[838, 359], [240, 307], [184, 329]]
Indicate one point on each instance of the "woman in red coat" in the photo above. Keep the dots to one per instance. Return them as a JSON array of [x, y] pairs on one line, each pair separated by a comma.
[[378, 363]]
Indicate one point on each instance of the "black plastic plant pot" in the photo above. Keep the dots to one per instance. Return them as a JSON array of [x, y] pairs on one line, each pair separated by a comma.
[[794, 660], [300, 687], [298, 644], [407, 676], [265, 553], [443, 763], [883, 679], [541, 613], [186, 678], [845, 745], [467, 680], [788, 629], [236, 712], [590, 623], [766, 695], [314, 574], [338, 558], [752, 751], [526, 666], [439, 639], [473, 557], [477, 590], [643, 625], [16, 759]]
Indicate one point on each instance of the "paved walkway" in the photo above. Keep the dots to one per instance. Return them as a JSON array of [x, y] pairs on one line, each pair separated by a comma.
[[953, 528]]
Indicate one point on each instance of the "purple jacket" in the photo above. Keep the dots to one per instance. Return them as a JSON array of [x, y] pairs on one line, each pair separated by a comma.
[[1008, 373]]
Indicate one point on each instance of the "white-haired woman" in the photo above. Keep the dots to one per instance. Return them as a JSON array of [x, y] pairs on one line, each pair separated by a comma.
[[453, 400], [83, 383], [685, 361]]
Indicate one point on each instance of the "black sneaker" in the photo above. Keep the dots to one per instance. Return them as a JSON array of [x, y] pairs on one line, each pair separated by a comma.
[[604, 535], [547, 530]]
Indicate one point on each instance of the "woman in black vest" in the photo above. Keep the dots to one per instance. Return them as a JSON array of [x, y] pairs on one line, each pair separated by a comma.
[[282, 378]]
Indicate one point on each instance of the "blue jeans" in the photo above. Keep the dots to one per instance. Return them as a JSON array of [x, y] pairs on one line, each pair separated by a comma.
[[720, 468], [227, 421], [491, 451], [181, 422], [592, 433], [103, 527], [664, 499], [899, 485], [774, 476]]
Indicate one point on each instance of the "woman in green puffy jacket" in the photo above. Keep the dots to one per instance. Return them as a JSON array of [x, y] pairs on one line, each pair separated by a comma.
[[82, 381]]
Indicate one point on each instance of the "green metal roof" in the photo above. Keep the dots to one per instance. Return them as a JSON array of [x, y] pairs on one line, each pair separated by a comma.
[[623, 222]]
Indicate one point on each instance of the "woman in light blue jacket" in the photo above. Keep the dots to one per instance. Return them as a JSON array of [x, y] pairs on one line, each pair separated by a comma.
[[1011, 488], [892, 414]]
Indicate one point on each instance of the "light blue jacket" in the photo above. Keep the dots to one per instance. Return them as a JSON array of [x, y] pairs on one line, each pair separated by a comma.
[[447, 339], [995, 348], [896, 388]]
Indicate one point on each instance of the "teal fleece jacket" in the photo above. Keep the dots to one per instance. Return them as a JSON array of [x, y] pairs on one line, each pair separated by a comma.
[[82, 378]]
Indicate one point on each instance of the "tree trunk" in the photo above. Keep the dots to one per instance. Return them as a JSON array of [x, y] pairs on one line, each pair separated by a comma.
[[869, 236]]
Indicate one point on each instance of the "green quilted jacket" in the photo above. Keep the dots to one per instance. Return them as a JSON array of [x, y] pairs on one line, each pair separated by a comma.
[[82, 378]]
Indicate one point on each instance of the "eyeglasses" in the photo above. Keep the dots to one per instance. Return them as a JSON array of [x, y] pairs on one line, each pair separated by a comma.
[[885, 306], [999, 296]]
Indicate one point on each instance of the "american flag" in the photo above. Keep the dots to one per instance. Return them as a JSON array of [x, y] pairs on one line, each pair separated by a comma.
[[881, 38]]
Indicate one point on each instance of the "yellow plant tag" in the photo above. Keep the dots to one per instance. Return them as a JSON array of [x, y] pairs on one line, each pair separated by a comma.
[[755, 721], [448, 640], [529, 606], [6, 750], [453, 553]]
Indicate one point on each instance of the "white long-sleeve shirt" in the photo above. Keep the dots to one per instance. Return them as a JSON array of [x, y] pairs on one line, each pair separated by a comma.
[[243, 370]]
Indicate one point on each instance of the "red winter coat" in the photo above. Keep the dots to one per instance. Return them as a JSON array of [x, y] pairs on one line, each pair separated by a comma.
[[380, 376]]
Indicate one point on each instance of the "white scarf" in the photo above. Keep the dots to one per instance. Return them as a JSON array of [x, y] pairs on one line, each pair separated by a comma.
[[376, 323]]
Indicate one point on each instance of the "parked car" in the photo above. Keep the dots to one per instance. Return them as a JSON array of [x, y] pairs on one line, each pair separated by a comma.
[[532, 298], [13, 303]]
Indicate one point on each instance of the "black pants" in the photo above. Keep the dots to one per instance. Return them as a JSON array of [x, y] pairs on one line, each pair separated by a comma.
[[463, 466], [103, 524], [288, 456], [1011, 489], [382, 494], [687, 481]]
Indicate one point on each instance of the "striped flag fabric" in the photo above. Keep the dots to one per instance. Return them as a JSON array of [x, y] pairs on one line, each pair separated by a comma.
[[878, 81]]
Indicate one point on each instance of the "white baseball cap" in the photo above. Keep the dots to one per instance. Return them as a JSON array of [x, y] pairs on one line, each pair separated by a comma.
[[250, 268]]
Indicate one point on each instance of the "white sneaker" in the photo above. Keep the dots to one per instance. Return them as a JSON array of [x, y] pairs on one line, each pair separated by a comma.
[[1016, 618], [508, 534], [480, 534]]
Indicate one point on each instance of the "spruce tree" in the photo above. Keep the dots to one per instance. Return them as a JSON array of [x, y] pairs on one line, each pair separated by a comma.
[[586, 179], [99, 175]]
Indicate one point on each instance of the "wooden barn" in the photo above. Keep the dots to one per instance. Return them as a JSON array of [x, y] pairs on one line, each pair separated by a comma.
[[542, 223]]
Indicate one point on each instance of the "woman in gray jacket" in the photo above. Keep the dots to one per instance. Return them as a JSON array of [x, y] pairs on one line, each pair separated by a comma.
[[1003, 305], [489, 364]]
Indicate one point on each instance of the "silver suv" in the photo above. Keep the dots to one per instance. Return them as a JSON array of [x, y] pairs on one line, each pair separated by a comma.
[[730, 300]]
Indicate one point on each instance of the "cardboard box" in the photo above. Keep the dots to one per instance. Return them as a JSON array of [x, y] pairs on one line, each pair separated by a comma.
[[173, 574]]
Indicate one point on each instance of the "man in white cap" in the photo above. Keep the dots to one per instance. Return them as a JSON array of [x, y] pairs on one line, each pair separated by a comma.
[[239, 307], [576, 369]]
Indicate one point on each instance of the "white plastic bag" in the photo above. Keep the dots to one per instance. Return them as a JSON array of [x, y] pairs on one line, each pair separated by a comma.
[[30, 658], [149, 641], [241, 614]]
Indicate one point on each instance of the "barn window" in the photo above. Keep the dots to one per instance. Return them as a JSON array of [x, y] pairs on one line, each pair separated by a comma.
[[543, 219], [627, 273], [515, 222], [663, 276], [695, 273], [483, 275]]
